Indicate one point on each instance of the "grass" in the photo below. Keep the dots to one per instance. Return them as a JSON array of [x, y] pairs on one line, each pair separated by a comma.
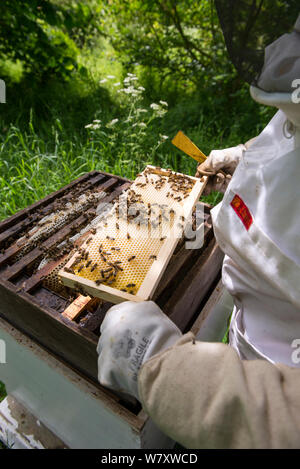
[[2, 391], [44, 144], [31, 166]]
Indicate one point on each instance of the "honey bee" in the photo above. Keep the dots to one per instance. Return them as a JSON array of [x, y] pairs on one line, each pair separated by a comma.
[[70, 271], [153, 256], [131, 258], [107, 270]]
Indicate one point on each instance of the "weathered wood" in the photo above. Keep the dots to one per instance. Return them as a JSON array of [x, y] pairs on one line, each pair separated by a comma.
[[43, 211], [194, 287], [213, 300], [22, 214], [70, 342], [37, 278], [50, 242], [180, 259]]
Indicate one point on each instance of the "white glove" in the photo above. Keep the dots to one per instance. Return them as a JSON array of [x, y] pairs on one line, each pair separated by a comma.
[[226, 159], [131, 333]]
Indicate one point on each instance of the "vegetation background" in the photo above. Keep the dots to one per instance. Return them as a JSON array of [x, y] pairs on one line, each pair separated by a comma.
[[101, 84], [55, 56]]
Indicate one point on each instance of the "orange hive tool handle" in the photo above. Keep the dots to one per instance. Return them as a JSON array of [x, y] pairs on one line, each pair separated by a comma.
[[182, 142]]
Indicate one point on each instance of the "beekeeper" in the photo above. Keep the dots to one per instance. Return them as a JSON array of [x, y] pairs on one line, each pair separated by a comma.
[[208, 395]]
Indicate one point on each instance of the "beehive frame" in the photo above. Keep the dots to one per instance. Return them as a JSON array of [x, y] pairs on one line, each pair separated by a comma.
[[163, 247]]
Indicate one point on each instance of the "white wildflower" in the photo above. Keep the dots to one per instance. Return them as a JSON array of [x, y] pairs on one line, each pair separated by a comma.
[[131, 90], [131, 78], [117, 84], [97, 121], [141, 88], [141, 110], [88, 126], [110, 77], [113, 122], [155, 106], [163, 103], [163, 137], [103, 81], [142, 124]]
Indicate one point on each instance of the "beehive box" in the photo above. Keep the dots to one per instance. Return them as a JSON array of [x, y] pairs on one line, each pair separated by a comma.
[[64, 322], [129, 249]]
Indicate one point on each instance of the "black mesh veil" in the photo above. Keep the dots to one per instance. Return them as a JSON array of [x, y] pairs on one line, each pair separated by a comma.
[[250, 25]]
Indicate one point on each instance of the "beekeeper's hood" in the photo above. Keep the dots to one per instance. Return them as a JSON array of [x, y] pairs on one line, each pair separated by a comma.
[[281, 67], [265, 49]]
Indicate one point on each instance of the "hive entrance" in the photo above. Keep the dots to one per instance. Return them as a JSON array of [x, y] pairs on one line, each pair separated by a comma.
[[128, 250]]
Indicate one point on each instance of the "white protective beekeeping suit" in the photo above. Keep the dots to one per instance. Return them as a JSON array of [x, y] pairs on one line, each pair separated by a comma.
[[257, 224], [202, 394]]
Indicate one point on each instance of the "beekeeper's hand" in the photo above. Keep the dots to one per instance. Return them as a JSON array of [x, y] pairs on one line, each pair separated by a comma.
[[131, 333], [226, 160], [220, 165]]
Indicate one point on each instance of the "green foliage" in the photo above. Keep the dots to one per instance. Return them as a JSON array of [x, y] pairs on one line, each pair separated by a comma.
[[43, 140], [44, 36], [2, 391], [132, 138], [181, 39]]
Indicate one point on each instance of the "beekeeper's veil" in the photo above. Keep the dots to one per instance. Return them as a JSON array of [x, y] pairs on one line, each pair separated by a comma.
[[263, 42]]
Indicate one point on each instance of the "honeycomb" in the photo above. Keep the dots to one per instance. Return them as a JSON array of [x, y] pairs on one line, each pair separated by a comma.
[[52, 280], [50, 224], [128, 240]]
